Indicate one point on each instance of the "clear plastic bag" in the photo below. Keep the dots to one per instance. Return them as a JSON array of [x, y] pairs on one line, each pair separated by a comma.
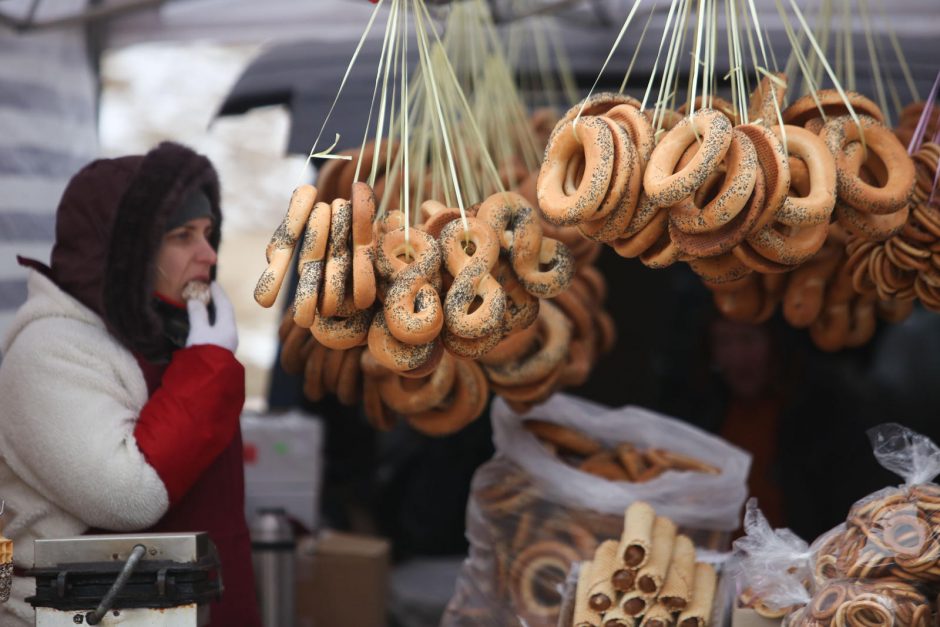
[[772, 568], [530, 516], [894, 532]]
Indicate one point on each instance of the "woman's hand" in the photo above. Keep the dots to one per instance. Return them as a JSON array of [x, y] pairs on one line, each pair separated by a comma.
[[223, 333]]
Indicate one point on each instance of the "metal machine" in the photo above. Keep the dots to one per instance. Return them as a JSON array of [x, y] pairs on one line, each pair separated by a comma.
[[130, 580]]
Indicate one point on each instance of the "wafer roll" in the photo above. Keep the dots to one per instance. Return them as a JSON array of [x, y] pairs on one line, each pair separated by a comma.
[[658, 616], [603, 596], [650, 578], [637, 538], [616, 617], [634, 603], [699, 611], [677, 589], [583, 616], [624, 579]]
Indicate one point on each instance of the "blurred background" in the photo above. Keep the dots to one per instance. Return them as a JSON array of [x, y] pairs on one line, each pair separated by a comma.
[[249, 84]]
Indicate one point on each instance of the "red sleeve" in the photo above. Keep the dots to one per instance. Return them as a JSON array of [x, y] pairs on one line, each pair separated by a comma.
[[193, 415]]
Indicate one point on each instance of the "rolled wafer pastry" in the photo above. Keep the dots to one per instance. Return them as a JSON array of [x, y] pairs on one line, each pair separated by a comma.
[[699, 611], [677, 589], [280, 249], [637, 538], [583, 616], [650, 579], [602, 595], [616, 617], [634, 603], [658, 616]]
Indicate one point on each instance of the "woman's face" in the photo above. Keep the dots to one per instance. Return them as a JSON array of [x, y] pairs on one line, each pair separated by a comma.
[[185, 255]]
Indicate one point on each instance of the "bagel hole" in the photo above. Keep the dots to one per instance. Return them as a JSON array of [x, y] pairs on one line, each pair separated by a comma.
[[476, 304], [545, 585], [547, 266], [709, 191], [406, 253], [875, 168], [469, 247], [574, 174], [799, 178]]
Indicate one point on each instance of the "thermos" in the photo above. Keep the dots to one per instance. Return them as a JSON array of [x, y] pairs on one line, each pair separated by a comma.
[[272, 554]]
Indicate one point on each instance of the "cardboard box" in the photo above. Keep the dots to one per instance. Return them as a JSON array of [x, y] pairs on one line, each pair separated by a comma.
[[342, 579], [747, 617]]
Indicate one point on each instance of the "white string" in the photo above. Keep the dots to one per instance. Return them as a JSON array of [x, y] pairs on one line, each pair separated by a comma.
[[355, 56], [610, 55]]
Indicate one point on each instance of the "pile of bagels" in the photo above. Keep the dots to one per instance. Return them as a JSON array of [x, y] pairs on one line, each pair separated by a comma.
[[801, 208], [422, 323]]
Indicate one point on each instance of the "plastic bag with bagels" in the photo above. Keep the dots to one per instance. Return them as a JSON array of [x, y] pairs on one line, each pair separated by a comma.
[[558, 486], [880, 567]]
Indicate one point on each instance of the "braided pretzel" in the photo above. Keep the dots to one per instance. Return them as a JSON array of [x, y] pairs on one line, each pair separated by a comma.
[[815, 206], [391, 352], [522, 308], [436, 215], [529, 250], [805, 110], [564, 198], [894, 193], [412, 305], [363, 275], [408, 396], [310, 264], [345, 330], [338, 260], [663, 185], [472, 279], [465, 404], [280, 249]]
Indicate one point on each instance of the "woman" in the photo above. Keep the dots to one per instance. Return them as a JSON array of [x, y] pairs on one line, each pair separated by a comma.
[[121, 403]]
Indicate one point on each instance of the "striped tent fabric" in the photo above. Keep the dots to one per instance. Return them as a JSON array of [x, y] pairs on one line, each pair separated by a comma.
[[47, 132]]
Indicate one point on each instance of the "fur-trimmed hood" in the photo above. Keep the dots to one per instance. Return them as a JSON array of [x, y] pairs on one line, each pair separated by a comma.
[[109, 226]]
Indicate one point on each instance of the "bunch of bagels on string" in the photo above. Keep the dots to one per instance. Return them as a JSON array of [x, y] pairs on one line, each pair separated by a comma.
[[806, 207], [422, 323]]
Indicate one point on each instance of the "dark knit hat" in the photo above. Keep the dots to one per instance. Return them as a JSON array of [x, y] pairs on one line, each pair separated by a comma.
[[195, 205]]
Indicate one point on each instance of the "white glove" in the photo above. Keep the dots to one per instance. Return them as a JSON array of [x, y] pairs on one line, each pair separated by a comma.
[[223, 333]]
